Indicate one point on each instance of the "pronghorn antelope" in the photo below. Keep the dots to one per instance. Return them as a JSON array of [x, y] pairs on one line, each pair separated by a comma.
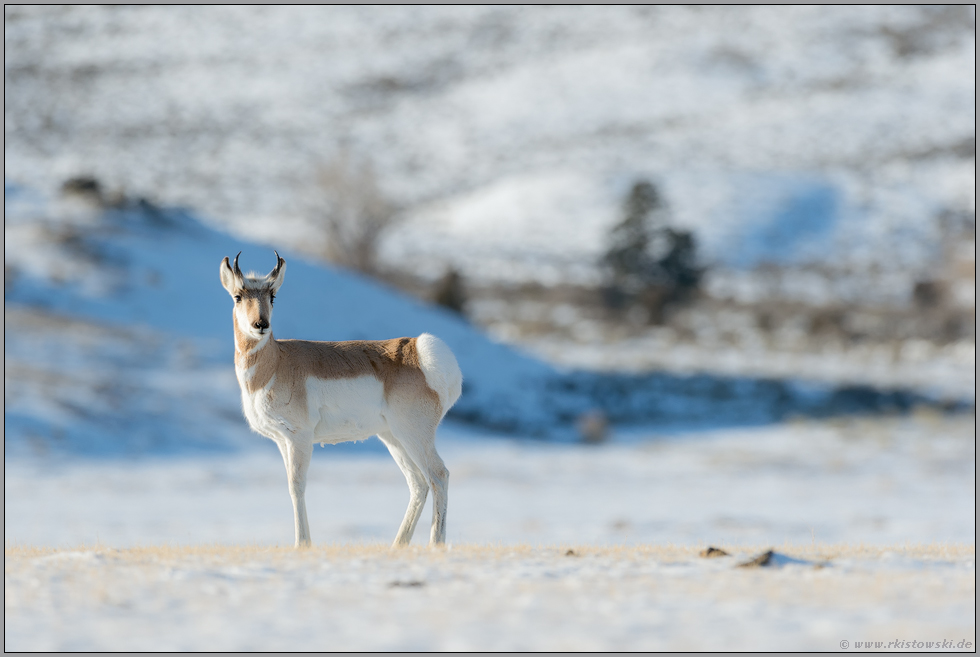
[[299, 393]]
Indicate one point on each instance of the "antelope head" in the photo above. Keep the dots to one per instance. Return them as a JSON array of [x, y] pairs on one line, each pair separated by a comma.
[[253, 295]]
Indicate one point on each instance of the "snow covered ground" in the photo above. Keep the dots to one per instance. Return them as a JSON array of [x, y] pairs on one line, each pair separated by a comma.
[[472, 598], [877, 481], [875, 519], [140, 513]]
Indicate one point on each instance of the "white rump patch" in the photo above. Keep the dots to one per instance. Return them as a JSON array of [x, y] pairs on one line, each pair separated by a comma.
[[441, 370]]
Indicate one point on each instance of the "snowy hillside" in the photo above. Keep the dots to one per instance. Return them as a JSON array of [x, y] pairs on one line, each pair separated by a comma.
[[118, 337], [509, 134], [142, 283]]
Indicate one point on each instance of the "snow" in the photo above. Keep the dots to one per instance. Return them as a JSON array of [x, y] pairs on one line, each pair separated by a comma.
[[158, 284], [480, 599], [510, 134], [141, 514], [126, 453], [120, 343], [946, 371], [874, 481], [872, 520]]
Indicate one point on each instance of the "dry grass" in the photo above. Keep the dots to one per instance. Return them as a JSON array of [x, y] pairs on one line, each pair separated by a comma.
[[230, 554]]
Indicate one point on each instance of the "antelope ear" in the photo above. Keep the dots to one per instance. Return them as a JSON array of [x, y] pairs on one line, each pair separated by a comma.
[[228, 278], [278, 274]]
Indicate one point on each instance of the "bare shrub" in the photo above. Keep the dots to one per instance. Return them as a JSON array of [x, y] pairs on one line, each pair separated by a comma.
[[450, 292], [83, 186], [352, 211]]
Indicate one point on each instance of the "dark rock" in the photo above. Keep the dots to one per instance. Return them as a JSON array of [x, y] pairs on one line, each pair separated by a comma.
[[713, 552], [760, 561]]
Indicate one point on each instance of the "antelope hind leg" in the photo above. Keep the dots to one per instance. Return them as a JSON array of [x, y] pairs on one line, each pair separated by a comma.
[[418, 488]]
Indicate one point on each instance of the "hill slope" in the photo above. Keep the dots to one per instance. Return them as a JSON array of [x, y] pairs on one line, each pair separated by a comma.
[[510, 134], [118, 337], [134, 293]]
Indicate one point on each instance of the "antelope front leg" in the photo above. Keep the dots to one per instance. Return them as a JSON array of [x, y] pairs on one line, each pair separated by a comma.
[[297, 455]]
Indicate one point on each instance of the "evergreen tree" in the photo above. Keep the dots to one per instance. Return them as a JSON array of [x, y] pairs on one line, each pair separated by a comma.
[[649, 261]]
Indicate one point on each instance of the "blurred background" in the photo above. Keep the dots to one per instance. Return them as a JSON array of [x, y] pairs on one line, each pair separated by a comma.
[[625, 220]]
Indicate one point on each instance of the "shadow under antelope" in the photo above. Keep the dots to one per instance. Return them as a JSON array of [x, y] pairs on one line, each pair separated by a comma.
[[299, 392]]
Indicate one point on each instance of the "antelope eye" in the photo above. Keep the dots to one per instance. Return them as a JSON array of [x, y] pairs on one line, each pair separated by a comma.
[[238, 298]]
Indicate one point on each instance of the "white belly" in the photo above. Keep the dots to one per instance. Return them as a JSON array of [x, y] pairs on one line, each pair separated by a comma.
[[265, 417], [345, 409]]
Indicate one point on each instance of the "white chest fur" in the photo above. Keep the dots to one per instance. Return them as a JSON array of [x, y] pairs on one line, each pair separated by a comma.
[[264, 415]]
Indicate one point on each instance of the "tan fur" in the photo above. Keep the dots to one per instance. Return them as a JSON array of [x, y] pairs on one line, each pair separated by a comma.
[[395, 363]]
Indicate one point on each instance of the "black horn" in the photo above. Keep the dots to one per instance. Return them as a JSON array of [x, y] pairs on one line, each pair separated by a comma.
[[279, 262], [238, 272]]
